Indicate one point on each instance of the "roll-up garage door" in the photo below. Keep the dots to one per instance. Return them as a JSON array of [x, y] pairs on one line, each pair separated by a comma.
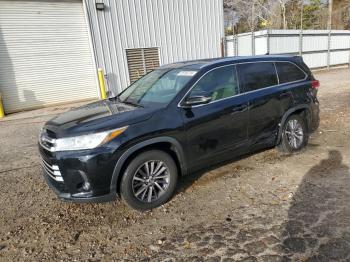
[[45, 54]]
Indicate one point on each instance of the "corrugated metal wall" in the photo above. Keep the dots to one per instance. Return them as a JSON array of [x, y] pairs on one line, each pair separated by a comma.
[[182, 29], [313, 44], [244, 46], [45, 54]]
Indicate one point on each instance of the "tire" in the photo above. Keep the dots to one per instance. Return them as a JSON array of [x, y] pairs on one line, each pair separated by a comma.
[[144, 185], [294, 135]]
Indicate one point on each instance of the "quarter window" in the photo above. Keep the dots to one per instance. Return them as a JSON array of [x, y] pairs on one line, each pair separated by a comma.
[[254, 76], [218, 84], [288, 72]]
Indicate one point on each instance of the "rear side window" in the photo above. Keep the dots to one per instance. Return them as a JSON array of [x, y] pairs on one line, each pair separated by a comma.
[[254, 76], [288, 72], [219, 83]]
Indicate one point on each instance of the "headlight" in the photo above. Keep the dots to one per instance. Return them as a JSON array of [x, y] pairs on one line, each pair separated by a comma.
[[86, 141]]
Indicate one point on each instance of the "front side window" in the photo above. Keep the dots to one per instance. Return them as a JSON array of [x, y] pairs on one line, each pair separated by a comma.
[[158, 87], [254, 76], [288, 72], [218, 84]]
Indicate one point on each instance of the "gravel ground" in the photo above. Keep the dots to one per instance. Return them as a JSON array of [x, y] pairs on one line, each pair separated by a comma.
[[262, 207]]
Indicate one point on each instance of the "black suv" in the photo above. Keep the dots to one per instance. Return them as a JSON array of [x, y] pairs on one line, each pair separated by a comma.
[[177, 119]]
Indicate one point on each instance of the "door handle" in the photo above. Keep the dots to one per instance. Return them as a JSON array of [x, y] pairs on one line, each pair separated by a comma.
[[240, 108]]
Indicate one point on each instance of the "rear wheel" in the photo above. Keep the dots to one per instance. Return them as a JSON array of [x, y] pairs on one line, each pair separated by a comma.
[[149, 180], [294, 135]]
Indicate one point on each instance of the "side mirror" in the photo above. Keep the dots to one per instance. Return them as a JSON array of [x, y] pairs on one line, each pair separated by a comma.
[[196, 100]]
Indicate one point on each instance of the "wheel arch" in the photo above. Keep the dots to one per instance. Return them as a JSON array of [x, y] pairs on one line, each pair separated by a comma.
[[300, 109], [167, 144]]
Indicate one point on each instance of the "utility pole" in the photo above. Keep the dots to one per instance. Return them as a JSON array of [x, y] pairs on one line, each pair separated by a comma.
[[234, 36], [301, 28], [302, 15], [329, 27], [252, 27], [253, 14], [330, 9]]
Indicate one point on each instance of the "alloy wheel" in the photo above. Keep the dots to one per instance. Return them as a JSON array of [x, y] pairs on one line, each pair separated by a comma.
[[150, 181], [294, 133]]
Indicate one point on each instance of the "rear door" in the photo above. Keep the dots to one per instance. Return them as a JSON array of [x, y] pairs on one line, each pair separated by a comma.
[[259, 82], [220, 125]]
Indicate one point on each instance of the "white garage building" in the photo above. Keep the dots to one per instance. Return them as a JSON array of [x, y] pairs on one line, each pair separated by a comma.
[[50, 49]]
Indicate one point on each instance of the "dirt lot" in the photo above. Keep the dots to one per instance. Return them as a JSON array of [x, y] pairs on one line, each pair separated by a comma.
[[263, 207]]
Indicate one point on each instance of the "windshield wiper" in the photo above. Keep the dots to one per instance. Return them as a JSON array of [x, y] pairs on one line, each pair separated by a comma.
[[130, 103]]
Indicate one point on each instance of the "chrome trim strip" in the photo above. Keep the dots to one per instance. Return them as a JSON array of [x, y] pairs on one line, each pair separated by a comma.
[[49, 172], [48, 169], [44, 138], [52, 167], [47, 139], [46, 164], [53, 173], [55, 168], [51, 149], [59, 179], [243, 93]]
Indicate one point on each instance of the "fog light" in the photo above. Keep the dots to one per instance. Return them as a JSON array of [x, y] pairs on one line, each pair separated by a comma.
[[86, 186]]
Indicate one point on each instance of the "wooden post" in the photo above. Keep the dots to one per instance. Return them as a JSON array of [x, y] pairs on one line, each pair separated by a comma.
[[223, 46]]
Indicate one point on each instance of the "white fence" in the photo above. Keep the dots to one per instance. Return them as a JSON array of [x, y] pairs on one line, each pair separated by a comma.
[[319, 48]]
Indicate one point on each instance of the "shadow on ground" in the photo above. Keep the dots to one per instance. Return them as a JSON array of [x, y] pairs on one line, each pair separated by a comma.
[[316, 228], [319, 217]]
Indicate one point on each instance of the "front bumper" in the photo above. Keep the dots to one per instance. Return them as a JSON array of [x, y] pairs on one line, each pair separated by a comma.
[[76, 199], [81, 176]]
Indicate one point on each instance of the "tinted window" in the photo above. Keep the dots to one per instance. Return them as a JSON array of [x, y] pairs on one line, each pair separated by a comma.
[[218, 84], [253, 76], [288, 72]]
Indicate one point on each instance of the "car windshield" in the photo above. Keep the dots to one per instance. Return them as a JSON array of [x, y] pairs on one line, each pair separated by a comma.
[[158, 87]]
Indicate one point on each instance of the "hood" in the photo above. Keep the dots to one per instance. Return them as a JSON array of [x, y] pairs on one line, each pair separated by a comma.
[[100, 115]]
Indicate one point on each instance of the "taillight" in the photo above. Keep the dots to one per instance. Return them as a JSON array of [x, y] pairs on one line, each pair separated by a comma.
[[315, 84]]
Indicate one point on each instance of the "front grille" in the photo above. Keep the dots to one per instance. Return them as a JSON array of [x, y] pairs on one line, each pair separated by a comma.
[[53, 171]]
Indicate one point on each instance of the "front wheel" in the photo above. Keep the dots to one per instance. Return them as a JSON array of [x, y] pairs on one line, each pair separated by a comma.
[[294, 135], [149, 180]]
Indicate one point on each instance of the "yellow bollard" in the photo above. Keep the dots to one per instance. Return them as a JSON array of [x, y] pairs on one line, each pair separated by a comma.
[[101, 80], [2, 112]]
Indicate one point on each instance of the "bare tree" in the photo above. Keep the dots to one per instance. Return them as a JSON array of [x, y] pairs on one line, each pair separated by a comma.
[[341, 14], [249, 12], [283, 4], [282, 14]]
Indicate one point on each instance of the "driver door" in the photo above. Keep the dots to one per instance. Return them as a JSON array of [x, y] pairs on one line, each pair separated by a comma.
[[219, 126]]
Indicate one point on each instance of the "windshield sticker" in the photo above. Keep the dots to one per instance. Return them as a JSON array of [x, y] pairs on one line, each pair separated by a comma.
[[187, 73]]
